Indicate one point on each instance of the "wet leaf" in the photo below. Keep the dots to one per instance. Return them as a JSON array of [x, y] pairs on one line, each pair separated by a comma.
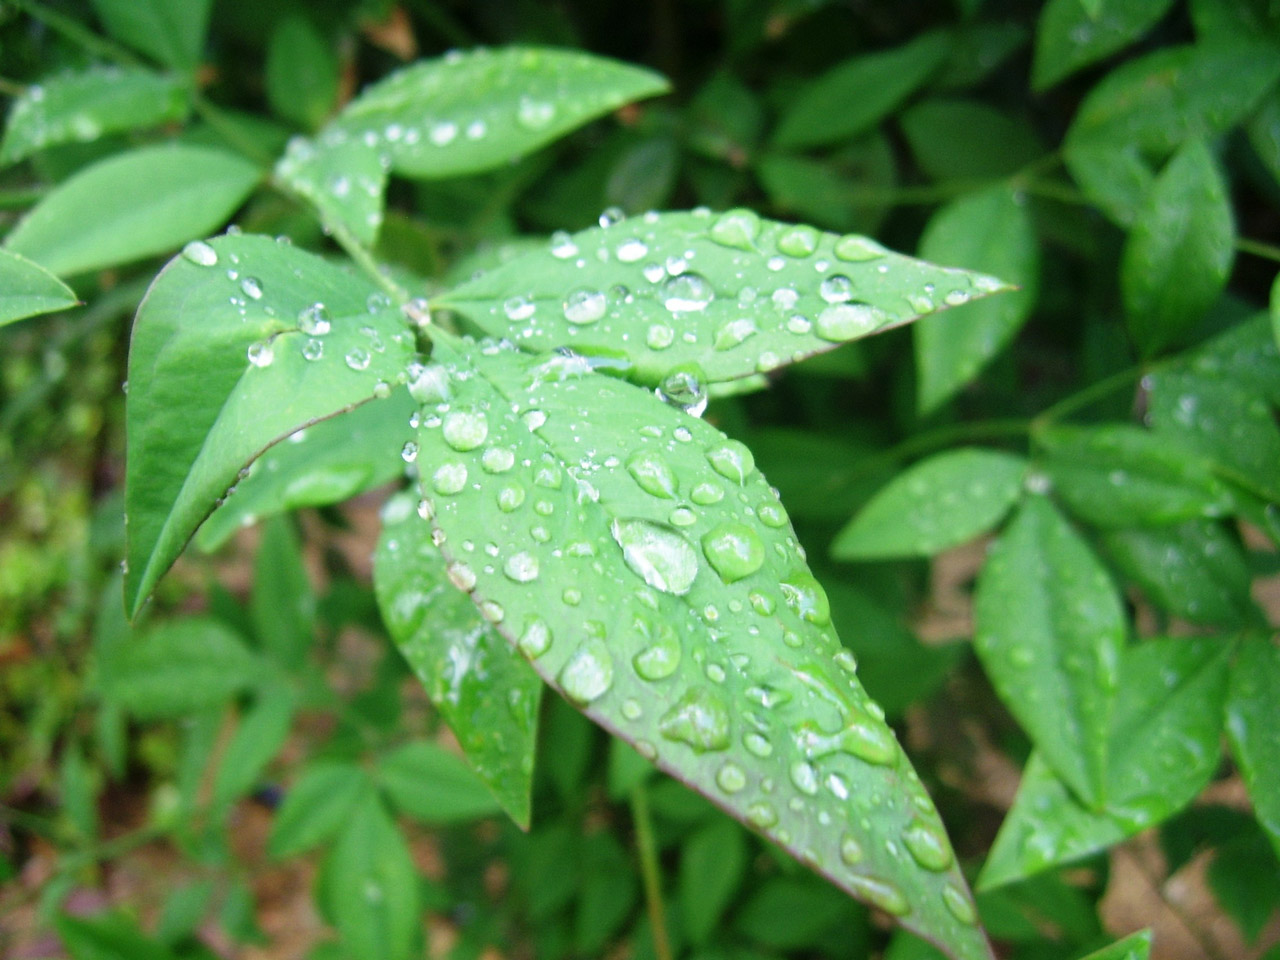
[[730, 295], [939, 502], [317, 806], [219, 371], [483, 690], [28, 289], [989, 230], [1049, 628], [87, 104], [132, 205], [461, 114], [432, 785], [1163, 750], [660, 589], [170, 31], [1253, 725], [1069, 36]]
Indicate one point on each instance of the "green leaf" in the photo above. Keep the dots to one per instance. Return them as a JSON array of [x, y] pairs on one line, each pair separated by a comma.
[[1275, 309], [486, 109], [301, 72], [432, 785], [1163, 750], [856, 94], [259, 736], [1179, 251], [954, 139], [108, 936], [1113, 176], [487, 695], [698, 635], [1244, 876], [170, 31], [283, 605], [1136, 946], [606, 892], [978, 51], [989, 230], [178, 668], [368, 886], [87, 104], [714, 297], [328, 462], [28, 289], [1118, 475], [316, 807], [1069, 36], [133, 205], [847, 191], [199, 410], [1195, 570], [787, 913], [1049, 628], [77, 792], [1253, 726], [713, 862], [940, 502]]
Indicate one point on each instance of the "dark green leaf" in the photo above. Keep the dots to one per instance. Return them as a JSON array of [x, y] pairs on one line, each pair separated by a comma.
[[1264, 133], [432, 785], [1049, 628], [697, 634], [1136, 946], [1179, 251], [199, 409], [968, 140], [1253, 724], [283, 605], [627, 769], [1225, 21], [788, 913], [851, 190], [487, 694], [184, 908], [606, 893], [1163, 750], [725, 119], [940, 502], [1244, 876], [989, 230], [77, 792], [301, 72], [170, 31], [133, 205], [719, 297], [979, 50], [109, 936], [713, 862], [85, 105], [856, 94], [258, 738], [1069, 36], [316, 807], [28, 289], [1115, 177]]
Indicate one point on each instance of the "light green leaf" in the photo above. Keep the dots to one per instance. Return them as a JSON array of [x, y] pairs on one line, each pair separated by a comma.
[[1179, 251], [856, 94], [199, 410], [1118, 475], [170, 31], [316, 807], [28, 289], [990, 230], [258, 738], [329, 462], [283, 605], [714, 297], [178, 668], [84, 105], [1136, 946], [432, 785], [1070, 36], [133, 205], [462, 114], [1275, 309], [487, 694], [660, 589], [1253, 724], [713, 862], [1049, 628], [301, 72], [1163, 750], [937, 503], [955, 139], [77, 793]]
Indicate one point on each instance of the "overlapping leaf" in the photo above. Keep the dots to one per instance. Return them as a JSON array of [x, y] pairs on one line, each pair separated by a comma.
[[1070, 37], [170, 31], [722, 296], [239, 342], [28, 289], [1253, 724], [657, 584]]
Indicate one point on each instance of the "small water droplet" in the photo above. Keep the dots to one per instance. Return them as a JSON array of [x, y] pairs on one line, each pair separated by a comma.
[[251, 287], [683, 517], [534, 114], [806, 598], [465, 429], [659, 336], [200, 253], [852, 248], [851, 851], [461, 576], [706, 493], [927, 846], [845, 321], [757, 744], [699, 719], [312, 349], [492, 611], [588, 674], [535, 639], [409, 452], [261, 353], [736, 228], [731, 778], [497, 459], [805, 777], [836, 288], [734, 332], [357, 358], [521, 567], [510, 497], [685, 388], [798, 241], [762, 603], [960, 906], [762, 815], [879, 893], [660, 556], [653, 474], [687, 293], [562, 245], [661, 656], [734, 550], [732, 460], [315, 320], [629, 251], [449, 478], [584, 306], [610, 217], [519, 308]]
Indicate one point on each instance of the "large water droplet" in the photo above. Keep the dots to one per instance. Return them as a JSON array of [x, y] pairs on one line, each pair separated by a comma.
[[461, 576], [653, 474], [659, 555], [737, 228], [200, 253], [589, 672], [661, 657], [629, 251], [315, 320], [879, 893], [805, 777], [927, 846], [251, 287], [562, 245], [731, 778], [700, 719], [851, 851], [535, 640], [465, 429], [845, 321], [521, 567], [734, 550], [519, 308], [732, 460], [960, 906], [510, 497], [854, 249], [836, 288], [806, 598], [762, 815], [497, 459], [659, 336], [449, 478], [734, 332], [584, 306], [798, 241], [261, 353], [685, 388], [687, 293], [706, 493], [757, 744]]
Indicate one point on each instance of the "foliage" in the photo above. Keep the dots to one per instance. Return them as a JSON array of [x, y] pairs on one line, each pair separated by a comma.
[[652, 461]]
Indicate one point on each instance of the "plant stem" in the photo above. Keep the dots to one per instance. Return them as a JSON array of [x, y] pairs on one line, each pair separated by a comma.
[[923, 443], [650, 873], [211, 115], [1268, 251], [77, 32], [1088, 395]]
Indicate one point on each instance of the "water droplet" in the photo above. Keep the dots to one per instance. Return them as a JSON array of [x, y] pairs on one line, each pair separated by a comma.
[[732, 460], [927, 846], [492, 611], [449, 478], [771, 514], [315, 320], [562, 245], [535, 640], [798, 241], [584, 306], [653, 474], [521, 567], [687, 293], [409, 452], [879, 893], [200, 253], [549, 476], [518, 308], [497, 459], [251, 287], [762, 815], [734, 332], [757, 744], [660, 556], [610, 217], [534, 114], [685, 388], [659, 336], [762, 603], [805, 777], [461, 576], [510, 497], [851, 851], [706, 493], [960, 906], [629, 251], [852, 248], [357, 358], [846, 661], [588, 673], [662, 655], [700, 719], [806, 598], [836, 288], [734, 550], [737, 228], [465, 429], [731, 778], [261, 353], [443, 133], [683, 517], [312, 349], [845, 321]]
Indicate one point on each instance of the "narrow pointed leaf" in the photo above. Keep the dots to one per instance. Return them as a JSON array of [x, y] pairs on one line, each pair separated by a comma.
[[316, 806], [28, 289], [283, 604], [483, 690], [732, 295], [133, 205], [937, 503], [258, 737], [1070, 37], [1164, 749], [461, 114], [1253, 724], [87, 104], [1049, 628], [954, 139], [429, 783], [1136, 946], [661, 590], [199, 410]]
